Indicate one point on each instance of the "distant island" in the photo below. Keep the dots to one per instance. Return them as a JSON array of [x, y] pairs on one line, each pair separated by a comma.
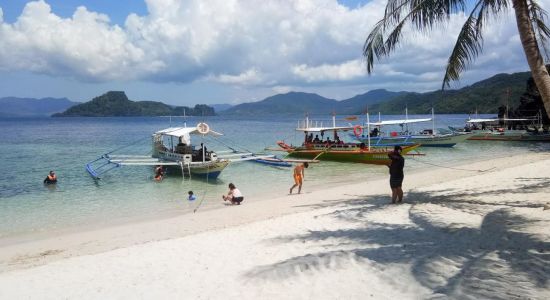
[[117, 104], [485, 96], [489, 96], [31, 107]]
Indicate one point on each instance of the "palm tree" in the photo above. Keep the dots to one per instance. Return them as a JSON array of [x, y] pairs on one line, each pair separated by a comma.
[[424, 15]]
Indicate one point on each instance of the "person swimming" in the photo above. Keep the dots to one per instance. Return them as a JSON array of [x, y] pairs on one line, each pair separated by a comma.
[[191, 196], [159, 173], [51, 178]]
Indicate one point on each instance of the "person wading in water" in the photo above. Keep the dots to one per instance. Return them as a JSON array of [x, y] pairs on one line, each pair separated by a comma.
[[299, 176]]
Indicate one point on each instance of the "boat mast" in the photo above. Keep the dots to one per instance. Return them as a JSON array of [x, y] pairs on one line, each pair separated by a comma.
[[433, 122], [406, 119], [368, 129], [203, 154], [184, 119], [539, 118], [334, 125]]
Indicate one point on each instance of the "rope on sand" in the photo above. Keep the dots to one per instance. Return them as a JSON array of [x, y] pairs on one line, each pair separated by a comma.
[[453, 168]]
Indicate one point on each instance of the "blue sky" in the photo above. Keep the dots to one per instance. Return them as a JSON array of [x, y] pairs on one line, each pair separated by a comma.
[[117, 10], [188, 52]]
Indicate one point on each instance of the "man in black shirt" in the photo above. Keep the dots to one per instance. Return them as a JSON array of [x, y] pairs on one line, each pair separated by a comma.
[[396, 174]]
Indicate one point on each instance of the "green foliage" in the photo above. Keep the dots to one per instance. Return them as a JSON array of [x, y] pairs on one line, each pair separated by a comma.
[[116, 104], [424, 16], [485, 96]]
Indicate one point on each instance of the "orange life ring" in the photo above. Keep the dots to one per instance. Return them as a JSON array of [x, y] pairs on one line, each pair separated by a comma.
[[357, 130]]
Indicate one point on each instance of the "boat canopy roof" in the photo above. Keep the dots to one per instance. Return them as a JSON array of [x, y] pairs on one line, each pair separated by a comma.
[[323, 129], [398, 122], [496, 120], [185, 132]]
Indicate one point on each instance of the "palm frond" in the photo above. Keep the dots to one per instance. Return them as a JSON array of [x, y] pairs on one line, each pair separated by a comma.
[[539, 17], [374, 46], [469, 42], [422, 14]]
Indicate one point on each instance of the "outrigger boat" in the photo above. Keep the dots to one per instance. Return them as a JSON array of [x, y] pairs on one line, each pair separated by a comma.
[[426, 137], [505, 129], [338, 151], [184, 158]]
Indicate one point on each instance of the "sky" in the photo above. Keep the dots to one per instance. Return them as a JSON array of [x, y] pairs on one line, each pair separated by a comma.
[[225, 51]]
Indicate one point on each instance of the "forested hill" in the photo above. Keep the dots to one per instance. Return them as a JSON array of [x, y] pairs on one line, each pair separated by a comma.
[[116, 104], [485, 96]]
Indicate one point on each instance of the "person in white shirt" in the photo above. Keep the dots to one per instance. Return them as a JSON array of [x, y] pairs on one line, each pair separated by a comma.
[[234, 195]]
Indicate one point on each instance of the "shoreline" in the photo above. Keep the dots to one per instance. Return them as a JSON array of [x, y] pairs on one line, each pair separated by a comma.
[[185, 208], [97, 240]]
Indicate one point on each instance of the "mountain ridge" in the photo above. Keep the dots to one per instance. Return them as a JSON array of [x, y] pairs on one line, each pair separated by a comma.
[[485, 96], [33, 107]]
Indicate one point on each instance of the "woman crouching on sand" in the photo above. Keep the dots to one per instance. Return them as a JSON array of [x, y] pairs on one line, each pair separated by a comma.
[[234, 195]]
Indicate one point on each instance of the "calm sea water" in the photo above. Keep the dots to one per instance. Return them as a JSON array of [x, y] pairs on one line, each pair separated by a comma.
[[29, 148]]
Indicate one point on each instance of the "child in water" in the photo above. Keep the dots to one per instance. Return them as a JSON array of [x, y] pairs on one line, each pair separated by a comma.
[[191, 196]]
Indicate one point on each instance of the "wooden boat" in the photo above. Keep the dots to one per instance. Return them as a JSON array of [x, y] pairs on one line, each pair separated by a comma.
[[344, 153], [426, 138], [172, 149], [500, 130], [340, 152], [271, 161]]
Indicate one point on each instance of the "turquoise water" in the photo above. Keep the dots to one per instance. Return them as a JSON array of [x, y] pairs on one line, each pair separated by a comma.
[[32, 147]]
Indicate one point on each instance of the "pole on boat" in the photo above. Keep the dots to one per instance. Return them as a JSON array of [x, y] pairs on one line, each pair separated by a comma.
[[334, 125], [368, 129], [406, 119], [539, 118], [433, 122], [203, 154]]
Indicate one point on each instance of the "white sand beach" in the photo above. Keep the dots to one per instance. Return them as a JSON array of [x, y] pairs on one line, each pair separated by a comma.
[[476, 231]]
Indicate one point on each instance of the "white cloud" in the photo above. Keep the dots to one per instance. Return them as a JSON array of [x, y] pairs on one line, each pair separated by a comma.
[[249, 77], [274, 44], [341, 72], [279, 89]]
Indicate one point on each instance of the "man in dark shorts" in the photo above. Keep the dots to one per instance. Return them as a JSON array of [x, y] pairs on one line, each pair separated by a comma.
[[396, 174]]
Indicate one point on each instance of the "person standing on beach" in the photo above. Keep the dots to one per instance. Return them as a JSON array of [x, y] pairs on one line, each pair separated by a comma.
[[299, 176], [396, 174]]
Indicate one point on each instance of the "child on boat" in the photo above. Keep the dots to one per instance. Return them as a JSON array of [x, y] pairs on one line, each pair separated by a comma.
[[234, 195]]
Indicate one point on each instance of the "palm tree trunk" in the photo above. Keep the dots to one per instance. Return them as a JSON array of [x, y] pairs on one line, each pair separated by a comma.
[[532, 52]]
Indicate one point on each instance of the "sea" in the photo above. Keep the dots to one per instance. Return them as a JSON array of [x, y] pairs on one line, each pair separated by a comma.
[[31, 147]]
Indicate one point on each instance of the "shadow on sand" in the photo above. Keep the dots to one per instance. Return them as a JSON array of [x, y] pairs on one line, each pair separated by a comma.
[[493, 261]]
